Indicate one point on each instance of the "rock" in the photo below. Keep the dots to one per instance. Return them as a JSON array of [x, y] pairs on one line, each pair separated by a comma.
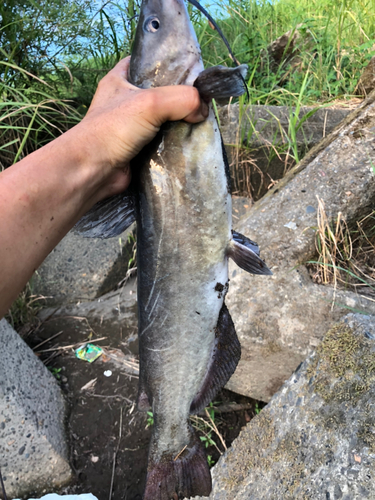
[[288, 311], [284, 50], [53, 496], [33, 450], [366, 83], [264, 129], [82, 268], [110, 310], [316, 437]]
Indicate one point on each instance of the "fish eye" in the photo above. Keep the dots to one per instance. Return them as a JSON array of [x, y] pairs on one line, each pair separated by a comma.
[[152, 24]]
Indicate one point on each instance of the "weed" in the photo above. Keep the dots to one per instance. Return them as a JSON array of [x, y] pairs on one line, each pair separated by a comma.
[[207, 440], [150, 419], [345, 254], [24, 310], [55, 372], [132, 241]]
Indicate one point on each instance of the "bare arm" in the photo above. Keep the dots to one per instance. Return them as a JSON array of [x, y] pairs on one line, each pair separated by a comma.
[[45, 194]]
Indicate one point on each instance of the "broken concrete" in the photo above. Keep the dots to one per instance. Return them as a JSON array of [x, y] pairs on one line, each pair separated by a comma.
[[288, 312], [259, 144], [33, 450], [315, 439], [82, 268]]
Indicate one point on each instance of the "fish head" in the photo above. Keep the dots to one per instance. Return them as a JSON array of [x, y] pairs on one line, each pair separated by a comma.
[[166, 50]]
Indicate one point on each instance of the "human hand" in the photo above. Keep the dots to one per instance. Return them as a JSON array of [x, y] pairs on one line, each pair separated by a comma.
[[122, 119]]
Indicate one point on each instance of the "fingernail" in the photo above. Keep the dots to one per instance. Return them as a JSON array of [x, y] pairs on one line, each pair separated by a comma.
[[204, 109]]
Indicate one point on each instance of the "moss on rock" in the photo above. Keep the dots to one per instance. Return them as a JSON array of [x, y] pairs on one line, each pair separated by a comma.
[[344, 366]]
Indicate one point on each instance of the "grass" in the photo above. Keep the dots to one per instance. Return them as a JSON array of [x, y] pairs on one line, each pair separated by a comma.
[[30, 116], [53, 55], [346, 255], [24, 311], [329, 44], [335, 41]]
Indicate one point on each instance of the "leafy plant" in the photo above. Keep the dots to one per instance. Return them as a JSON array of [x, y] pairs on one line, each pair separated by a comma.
[[150, 419], [56, 372], [207, 440], [257, 408]]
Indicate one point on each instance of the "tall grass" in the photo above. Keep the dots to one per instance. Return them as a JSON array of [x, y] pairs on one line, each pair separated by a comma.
[[336, 39], [52, 55], [346, 255]]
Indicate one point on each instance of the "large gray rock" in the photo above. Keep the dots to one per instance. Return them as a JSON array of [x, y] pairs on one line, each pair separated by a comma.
[[366, 83], [316, 438], [82, 268], [287, 312], [33, 451], [261, 131]]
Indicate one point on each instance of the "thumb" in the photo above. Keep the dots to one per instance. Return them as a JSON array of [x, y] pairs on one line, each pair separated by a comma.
[[179, 102]]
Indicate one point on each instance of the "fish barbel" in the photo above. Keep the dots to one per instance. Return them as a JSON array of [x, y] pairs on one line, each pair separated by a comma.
[[180, 198]]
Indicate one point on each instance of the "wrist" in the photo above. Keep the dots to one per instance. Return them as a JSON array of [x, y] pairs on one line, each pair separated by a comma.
[[87, 169]]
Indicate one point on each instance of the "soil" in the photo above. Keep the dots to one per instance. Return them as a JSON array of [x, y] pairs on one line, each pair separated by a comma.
[[108, 436]]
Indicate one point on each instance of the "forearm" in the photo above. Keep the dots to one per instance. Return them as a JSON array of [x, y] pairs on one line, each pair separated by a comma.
[[41, 198]]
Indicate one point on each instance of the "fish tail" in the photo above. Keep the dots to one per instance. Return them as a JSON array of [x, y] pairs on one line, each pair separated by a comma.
[[184, 475]]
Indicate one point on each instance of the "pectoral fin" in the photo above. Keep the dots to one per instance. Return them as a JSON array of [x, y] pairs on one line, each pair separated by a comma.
[[220, 82], [108, 218], [225, 357], [245, 254]]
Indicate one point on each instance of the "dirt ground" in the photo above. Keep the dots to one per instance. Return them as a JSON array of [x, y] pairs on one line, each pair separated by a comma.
[[108, 436]]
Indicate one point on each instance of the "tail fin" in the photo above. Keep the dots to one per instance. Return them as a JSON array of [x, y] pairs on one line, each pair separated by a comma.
[[185, 475]]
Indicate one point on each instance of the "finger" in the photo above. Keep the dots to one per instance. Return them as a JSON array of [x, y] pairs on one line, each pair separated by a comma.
[[122, 67], [178, 102], [122, 70]]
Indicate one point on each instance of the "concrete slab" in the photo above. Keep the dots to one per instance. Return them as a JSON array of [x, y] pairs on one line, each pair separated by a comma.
[[315, 439], [82, 268], [262, 132], [288, 312], [33, 450]]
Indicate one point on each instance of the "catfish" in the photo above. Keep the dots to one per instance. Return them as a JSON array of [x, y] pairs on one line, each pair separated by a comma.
[[180, 199]]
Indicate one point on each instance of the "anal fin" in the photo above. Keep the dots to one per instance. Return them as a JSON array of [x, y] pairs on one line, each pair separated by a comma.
[[224, 360], [245, 254], [220, 82]]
